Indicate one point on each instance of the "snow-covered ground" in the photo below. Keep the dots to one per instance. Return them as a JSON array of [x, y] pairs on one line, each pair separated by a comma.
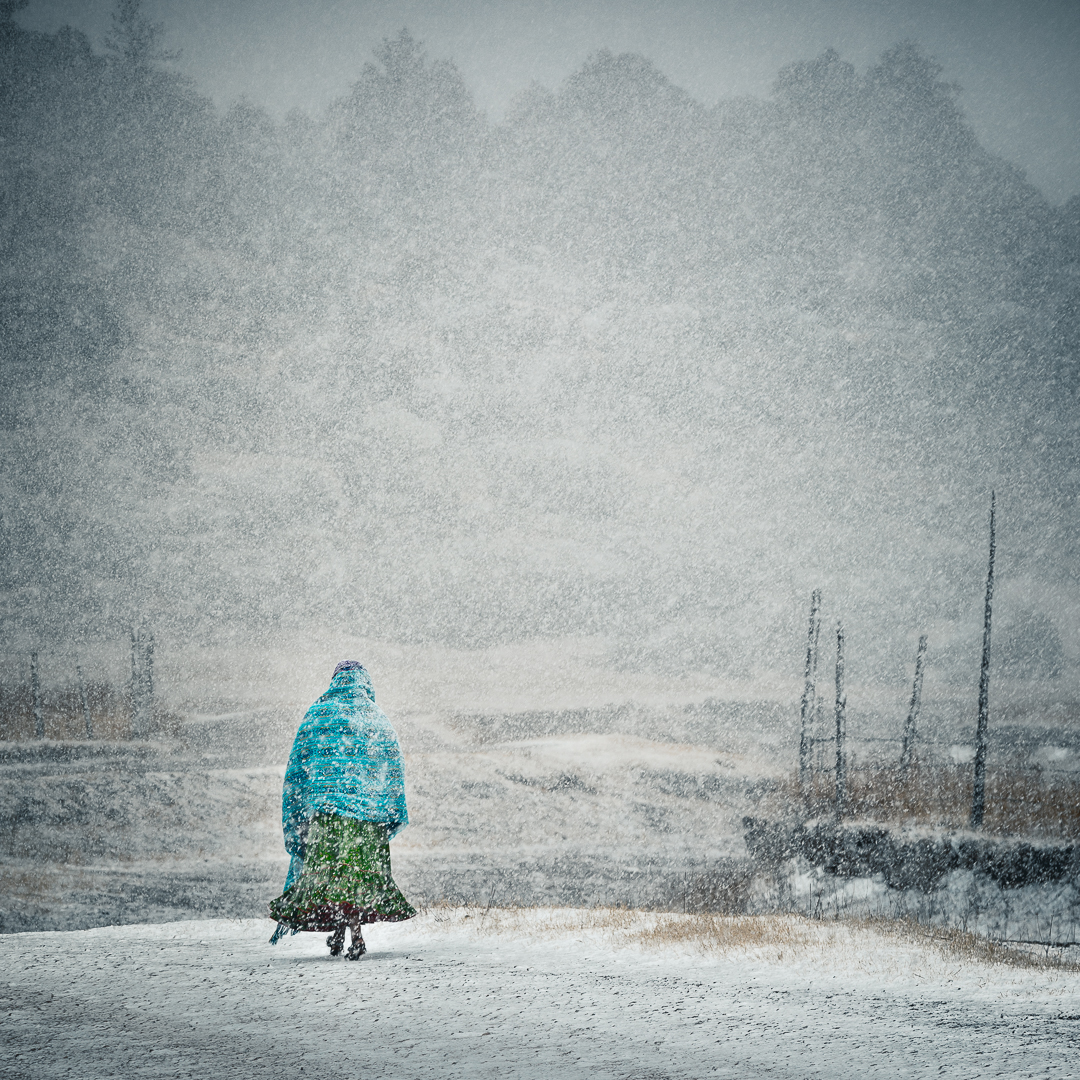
[[539, 993], [524, 810], [136, 832]]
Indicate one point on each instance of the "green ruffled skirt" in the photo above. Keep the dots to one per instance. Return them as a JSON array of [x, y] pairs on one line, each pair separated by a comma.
[[345, 878]]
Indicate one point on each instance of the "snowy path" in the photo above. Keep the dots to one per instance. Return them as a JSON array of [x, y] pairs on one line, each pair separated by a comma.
[[437, 998]]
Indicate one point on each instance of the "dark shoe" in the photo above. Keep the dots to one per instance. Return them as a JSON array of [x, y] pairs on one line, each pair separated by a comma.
[[356, 950], [336, 941]]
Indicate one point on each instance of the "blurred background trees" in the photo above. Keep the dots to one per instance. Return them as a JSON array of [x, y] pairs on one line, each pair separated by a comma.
[[601, 368]]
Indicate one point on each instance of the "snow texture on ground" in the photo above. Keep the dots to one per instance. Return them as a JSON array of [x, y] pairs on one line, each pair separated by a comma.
[[460, 993], [100, 834], [135, 832]]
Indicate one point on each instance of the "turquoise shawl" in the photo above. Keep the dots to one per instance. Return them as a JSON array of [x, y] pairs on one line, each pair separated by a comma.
[[345, 760]]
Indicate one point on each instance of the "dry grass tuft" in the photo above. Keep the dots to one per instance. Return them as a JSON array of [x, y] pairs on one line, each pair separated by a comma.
[[42, 883], [62, 713], [723, 934], [1019, 801], [956, 944], [775, 934], [783, 939]]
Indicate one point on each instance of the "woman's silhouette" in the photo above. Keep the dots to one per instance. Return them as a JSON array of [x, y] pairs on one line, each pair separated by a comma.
[[344, 798]]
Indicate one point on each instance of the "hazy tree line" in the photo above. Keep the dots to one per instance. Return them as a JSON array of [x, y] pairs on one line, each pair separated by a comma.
[[407, 369]]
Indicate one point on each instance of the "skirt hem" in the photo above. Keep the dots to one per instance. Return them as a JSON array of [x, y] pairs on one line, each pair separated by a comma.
[[328, 917]]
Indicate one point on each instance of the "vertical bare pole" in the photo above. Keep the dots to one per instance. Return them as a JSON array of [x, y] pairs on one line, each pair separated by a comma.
[[978, 793], [819, 731], [148, 673], [908, 751], [808, 695], [85, 702], [841, 726], [814, 718], [136, 688], [35, 698]]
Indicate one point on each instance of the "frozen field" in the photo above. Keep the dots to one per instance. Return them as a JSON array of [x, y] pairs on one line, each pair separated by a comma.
[[535, 806], [119, 833], [548, 992]]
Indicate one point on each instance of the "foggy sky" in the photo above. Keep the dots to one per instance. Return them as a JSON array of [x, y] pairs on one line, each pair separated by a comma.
[[636, 372], [1017, 61]]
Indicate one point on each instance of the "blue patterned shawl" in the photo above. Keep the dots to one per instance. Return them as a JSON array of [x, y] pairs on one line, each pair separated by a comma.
[[345, 760]]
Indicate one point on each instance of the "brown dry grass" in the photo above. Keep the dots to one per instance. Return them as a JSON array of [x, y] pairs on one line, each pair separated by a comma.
[[1019, 801], [774, 933], [956, 944], [778, 938], [62, 712], [41, 883]]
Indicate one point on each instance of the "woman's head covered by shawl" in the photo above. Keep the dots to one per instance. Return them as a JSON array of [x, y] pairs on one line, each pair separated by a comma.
[[350, 665], [350, 676]]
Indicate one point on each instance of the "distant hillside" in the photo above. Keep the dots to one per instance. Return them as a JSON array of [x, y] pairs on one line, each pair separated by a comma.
[[622, 365]]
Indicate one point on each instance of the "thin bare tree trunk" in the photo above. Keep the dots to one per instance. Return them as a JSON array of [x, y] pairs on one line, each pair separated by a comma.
[[136, 689], [841, 726], [814, 721], [148, 673], [85, 702], [978, 793], [809, 695], [908, 751], [35, 697]]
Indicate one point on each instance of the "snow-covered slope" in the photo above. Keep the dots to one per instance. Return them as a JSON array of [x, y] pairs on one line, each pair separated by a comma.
[[471, 994], [158, 832]]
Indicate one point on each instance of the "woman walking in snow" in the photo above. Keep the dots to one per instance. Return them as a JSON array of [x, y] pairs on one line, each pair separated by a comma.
[[344, 798]]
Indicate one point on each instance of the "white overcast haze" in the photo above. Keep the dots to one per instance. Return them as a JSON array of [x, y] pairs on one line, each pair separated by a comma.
[[693, 318], [545, 358]]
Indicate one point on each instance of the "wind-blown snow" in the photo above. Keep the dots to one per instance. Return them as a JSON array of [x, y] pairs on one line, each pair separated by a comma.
[[461, 993]]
